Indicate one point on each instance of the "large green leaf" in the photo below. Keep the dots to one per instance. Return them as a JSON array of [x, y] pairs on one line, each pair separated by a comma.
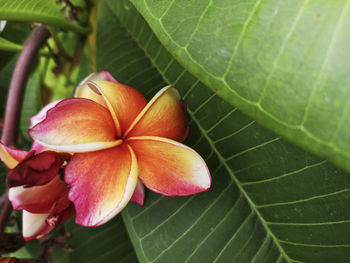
[[108, 243], [41, 11], [284, 63], [270, 201]]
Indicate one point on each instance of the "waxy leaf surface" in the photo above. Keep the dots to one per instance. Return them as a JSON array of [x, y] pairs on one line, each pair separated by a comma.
[[108, 243], [41, 11], [270, 200], [284, 63]]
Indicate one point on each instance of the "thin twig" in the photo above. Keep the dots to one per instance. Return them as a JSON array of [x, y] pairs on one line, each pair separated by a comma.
[[15, 99]]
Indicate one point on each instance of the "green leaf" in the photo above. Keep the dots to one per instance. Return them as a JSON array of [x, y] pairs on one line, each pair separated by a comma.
[[284, 63], [107, 243], [86, 67], [32, 102], [41, 11], [5, 76], [270, 201], [9, 46], [16, 33]]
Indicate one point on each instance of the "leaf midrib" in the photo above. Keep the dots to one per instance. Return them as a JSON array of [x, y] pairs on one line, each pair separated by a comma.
[[42, 18]]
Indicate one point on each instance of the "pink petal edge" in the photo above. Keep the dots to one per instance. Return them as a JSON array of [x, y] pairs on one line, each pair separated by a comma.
[[139, 194], [41, 115], [169, 167]]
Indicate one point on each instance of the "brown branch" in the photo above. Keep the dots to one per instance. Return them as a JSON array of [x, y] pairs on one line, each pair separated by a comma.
[[15, 98], [18, 83]]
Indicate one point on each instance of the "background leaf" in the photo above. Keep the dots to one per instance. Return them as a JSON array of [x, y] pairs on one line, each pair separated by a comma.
[[108, 243], [32, 101], [16, 33], [270, 201], [284, 63], [41, 11], [7, 45]]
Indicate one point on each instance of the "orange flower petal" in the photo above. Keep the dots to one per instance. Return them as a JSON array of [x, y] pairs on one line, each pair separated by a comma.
[[37, 199], [84, 91], [34, 225], [139, 194], [76, 125], [124, 102], [169, 167], [164, 116], [95, 76], [101, 183], [11, 157], [41, 115]]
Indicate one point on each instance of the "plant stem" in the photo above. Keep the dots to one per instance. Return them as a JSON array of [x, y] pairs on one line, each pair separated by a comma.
[[18, 83], [15, 98]]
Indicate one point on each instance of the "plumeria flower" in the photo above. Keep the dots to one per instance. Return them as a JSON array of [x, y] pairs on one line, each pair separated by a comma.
[[35, 187], [84, 91], [118, 137]]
